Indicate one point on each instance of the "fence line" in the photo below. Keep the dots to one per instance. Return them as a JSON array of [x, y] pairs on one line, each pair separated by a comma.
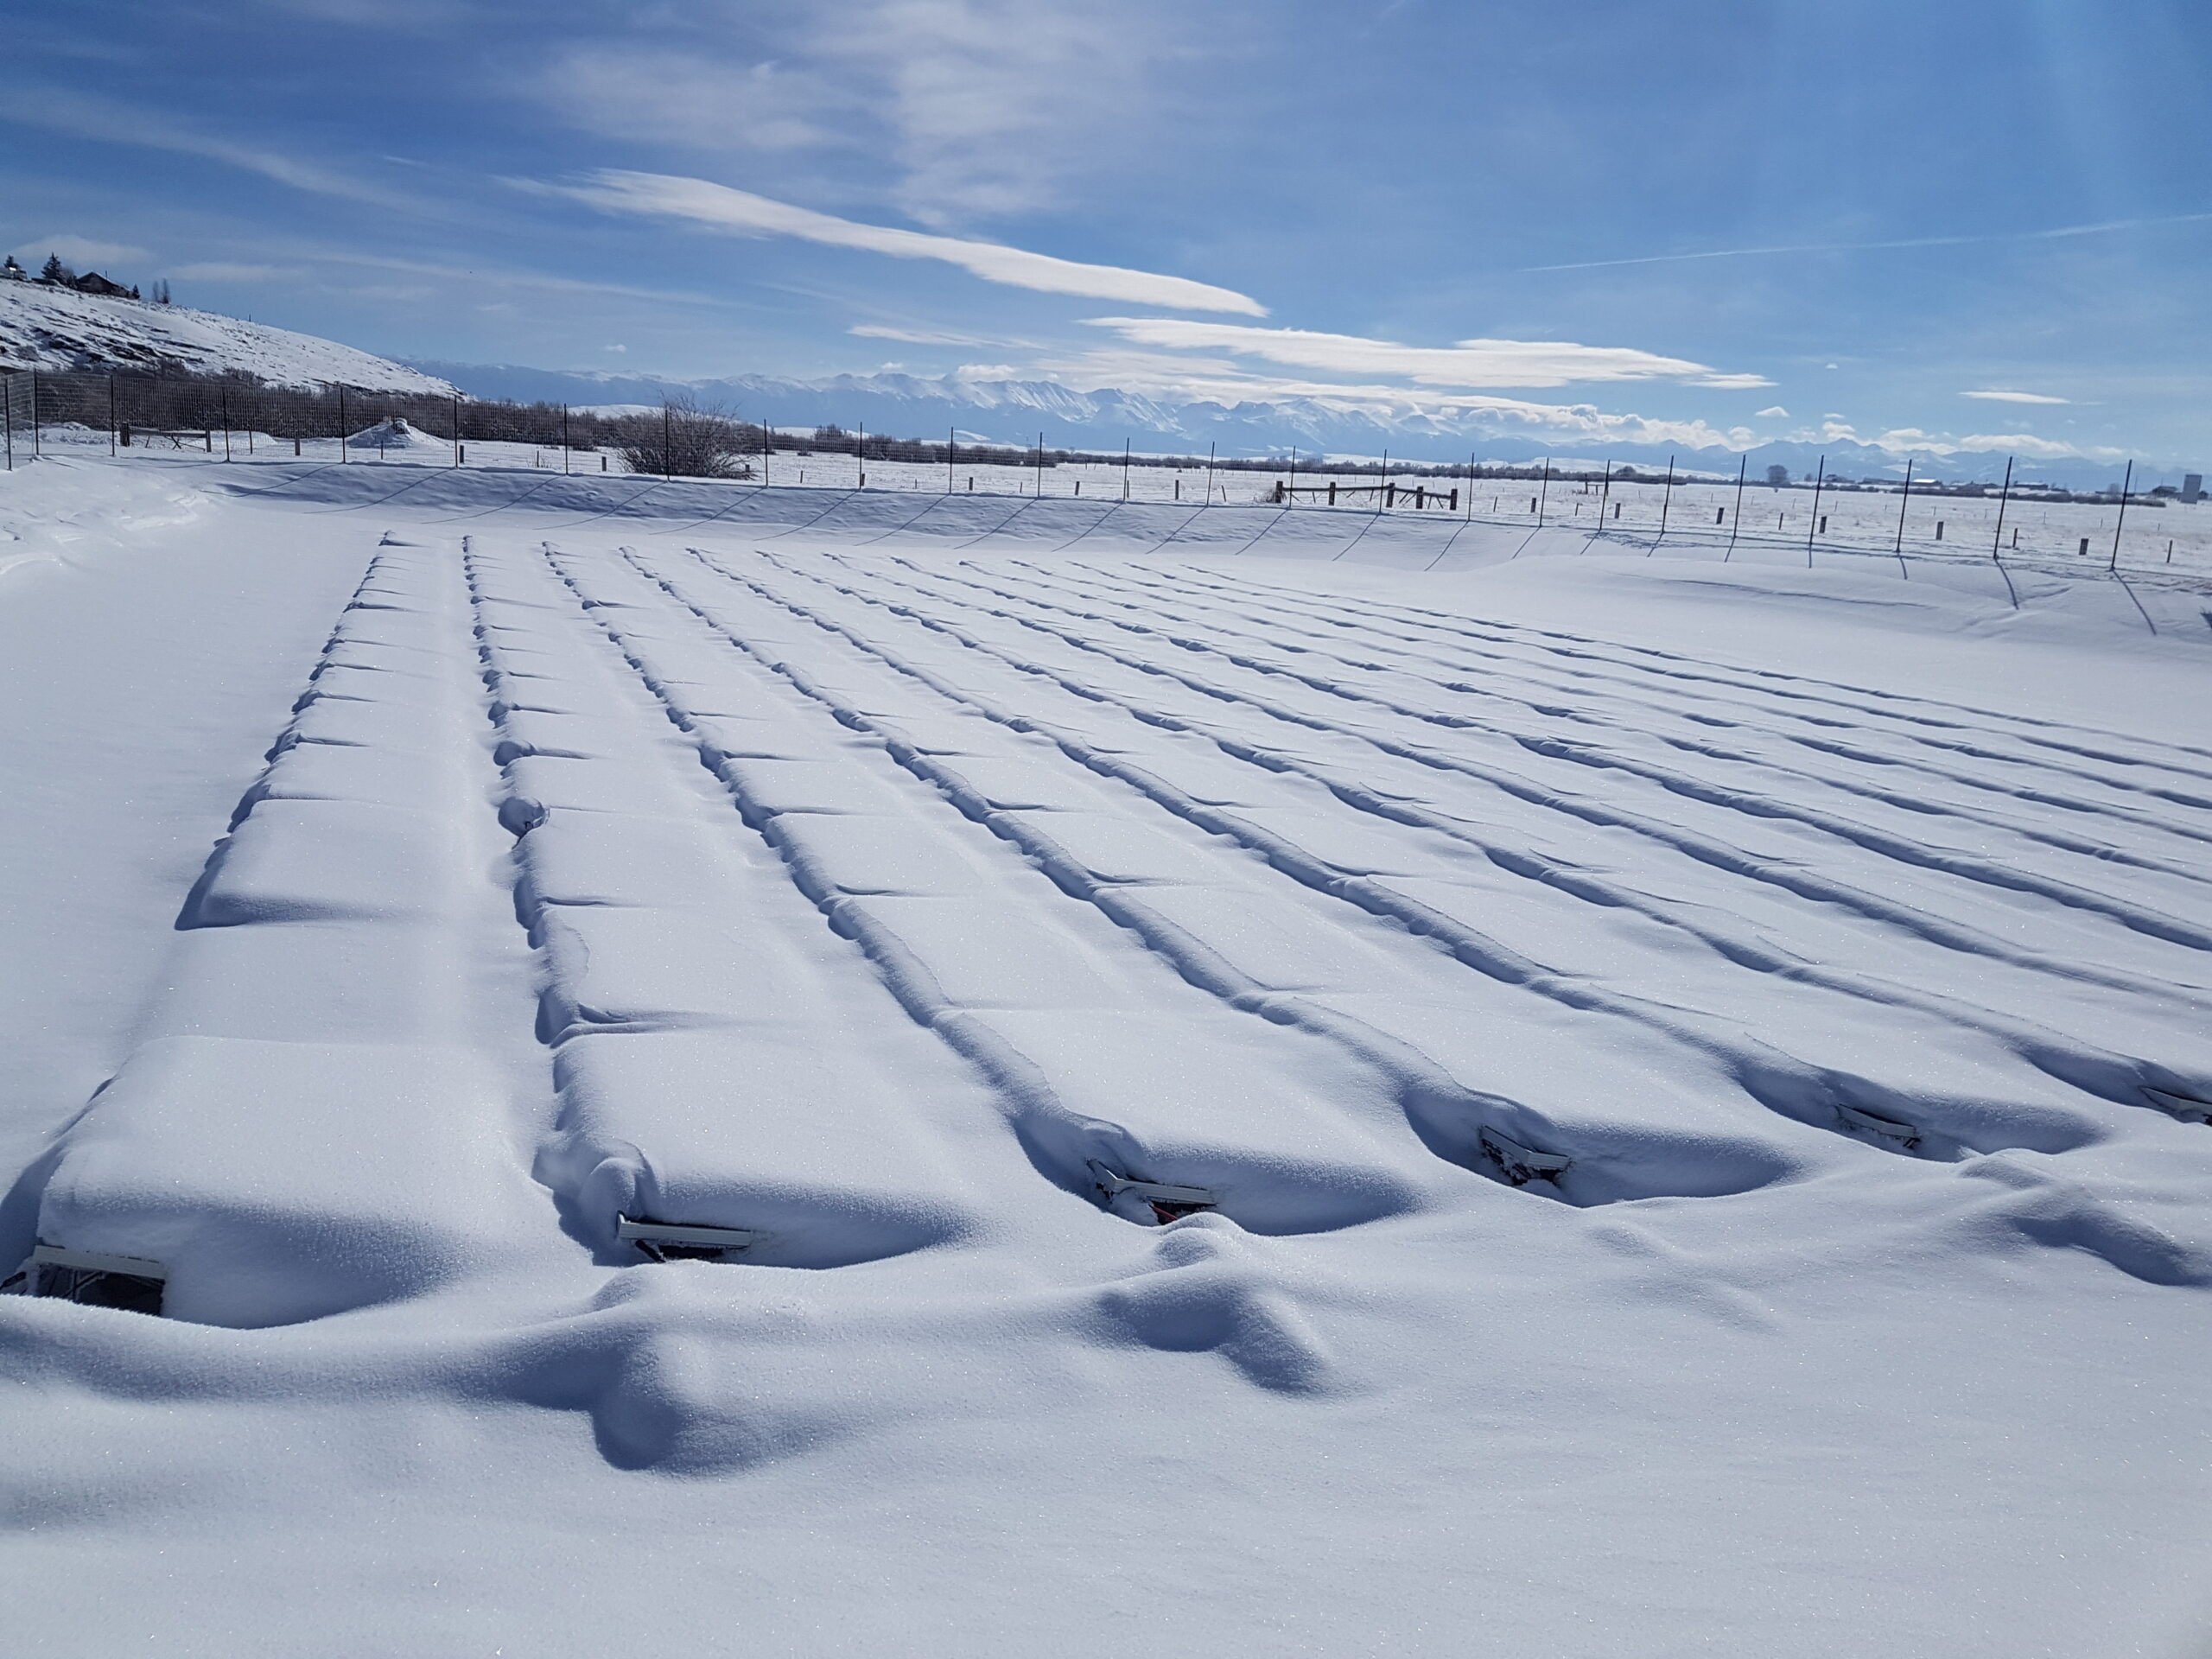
[[180, 414]]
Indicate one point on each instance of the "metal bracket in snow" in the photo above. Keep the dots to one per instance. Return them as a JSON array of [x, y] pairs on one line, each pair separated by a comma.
[[1522, 1164], [1888, 1128], [1168, 1201], [680, 1242], [2187, 1108]]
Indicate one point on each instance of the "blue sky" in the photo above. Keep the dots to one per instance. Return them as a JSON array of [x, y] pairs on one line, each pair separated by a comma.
[[1981, 223]]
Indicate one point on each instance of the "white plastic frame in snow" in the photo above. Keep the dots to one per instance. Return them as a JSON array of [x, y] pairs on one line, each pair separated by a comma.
[[1523, 1164], [63, 1275], [654, 1237], [1905, 1135], [2187, 1108], [1169, 1201]]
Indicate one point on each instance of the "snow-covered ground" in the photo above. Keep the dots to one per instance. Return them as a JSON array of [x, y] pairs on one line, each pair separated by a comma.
[[1686, 1057], [2072, 534]]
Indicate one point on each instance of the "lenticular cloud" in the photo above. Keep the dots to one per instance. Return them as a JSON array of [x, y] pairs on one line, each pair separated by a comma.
[[705, 203]]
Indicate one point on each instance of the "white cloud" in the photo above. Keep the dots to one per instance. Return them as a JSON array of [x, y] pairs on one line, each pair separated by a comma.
[[702, 202], [222, 270], [697, 98], [2053, 233], [1187, 379], [924, 336], [1777, 413], [614, 348], [2014, 397], [1469, 363], [1911, 439], [107, 121], [2022, 443], [980, 107], [475, 276], [77, 251], [992, 103]]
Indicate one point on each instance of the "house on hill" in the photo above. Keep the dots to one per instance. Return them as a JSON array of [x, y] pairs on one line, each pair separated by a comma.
[[57, 274]]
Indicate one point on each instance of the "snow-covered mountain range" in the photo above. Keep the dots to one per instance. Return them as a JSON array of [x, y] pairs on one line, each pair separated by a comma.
[[1015, 411], [44, 327], [58, 328]]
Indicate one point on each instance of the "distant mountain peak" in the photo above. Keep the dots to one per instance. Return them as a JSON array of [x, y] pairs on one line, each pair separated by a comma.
[[1011, 412]]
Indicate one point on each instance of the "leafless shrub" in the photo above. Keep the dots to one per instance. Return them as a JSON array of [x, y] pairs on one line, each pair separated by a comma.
[[687, 439]]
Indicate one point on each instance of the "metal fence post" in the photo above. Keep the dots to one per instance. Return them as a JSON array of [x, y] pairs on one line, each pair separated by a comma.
[[1902, 500], [2125, 484], [1820, 483], [1737, 523], [2004, 498]]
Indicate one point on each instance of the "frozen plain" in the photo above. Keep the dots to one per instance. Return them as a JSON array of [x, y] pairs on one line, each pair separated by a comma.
[[885, 859]]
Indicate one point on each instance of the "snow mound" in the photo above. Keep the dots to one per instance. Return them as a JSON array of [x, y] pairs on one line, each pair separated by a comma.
[[44, 328], [394, 435]]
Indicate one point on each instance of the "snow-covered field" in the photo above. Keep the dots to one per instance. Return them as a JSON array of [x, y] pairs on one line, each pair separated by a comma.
[[1683, 1061], [2153, 536]]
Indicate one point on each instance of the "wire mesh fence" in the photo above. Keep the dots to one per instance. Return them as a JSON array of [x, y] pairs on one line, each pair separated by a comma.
[[173, 414], [18, 415], [134, 407]]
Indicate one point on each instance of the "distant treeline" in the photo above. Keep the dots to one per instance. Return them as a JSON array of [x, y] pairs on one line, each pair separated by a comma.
[[168, 399]]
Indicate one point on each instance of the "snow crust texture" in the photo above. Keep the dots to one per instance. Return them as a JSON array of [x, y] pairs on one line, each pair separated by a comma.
[[1648, 1108]]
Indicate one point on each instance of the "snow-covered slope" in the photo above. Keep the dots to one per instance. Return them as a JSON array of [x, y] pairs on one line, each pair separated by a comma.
[[58, 328], [1684, 1070]]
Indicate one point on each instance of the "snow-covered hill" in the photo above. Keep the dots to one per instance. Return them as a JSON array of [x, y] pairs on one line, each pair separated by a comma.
[[44, 327]]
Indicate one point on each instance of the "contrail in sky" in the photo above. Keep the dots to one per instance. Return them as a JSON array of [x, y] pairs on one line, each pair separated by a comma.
[[1870, 247]]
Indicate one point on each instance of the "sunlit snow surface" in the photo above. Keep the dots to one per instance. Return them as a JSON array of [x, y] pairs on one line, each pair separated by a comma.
[[46, 327], [411, 872]]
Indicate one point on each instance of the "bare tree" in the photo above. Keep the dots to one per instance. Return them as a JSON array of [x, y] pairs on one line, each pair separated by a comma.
[[687, 439]]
